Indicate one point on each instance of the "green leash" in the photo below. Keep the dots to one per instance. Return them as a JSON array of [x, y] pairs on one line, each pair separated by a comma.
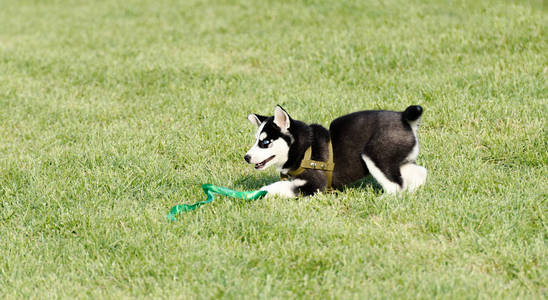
[[210, 190]]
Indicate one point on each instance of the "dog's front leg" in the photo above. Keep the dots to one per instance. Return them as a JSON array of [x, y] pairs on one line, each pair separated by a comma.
[[286, 189]]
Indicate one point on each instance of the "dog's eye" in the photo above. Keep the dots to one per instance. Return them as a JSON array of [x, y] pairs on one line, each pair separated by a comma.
[[264, 143]]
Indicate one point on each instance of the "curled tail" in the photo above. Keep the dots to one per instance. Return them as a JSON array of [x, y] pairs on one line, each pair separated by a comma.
[[412, 113], [412, 116]]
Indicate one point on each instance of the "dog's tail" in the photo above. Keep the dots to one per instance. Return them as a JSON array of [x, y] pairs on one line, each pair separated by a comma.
[[412, 115]]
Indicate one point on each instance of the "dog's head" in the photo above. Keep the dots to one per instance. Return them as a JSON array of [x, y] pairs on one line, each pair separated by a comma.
[[273, 140]]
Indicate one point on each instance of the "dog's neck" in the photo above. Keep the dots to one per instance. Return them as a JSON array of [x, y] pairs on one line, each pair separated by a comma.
[[315, 136]]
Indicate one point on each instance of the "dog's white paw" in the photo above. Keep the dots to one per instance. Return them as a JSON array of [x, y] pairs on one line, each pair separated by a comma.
[[413, 176], [285, 189]]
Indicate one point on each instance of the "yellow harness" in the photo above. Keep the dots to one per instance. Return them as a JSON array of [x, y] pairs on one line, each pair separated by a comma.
[[307, 163]]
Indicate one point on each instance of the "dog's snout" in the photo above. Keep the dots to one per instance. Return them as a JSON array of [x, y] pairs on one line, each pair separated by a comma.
[[247, 157]]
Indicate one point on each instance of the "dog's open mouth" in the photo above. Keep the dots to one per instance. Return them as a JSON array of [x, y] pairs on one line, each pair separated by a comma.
[[261, 164]]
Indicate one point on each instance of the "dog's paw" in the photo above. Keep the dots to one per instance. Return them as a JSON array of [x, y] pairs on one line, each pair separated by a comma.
[[413, 176], [284, 189]]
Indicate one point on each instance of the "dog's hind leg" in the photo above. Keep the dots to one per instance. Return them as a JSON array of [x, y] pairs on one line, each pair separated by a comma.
[[388, 177], [413, 176]]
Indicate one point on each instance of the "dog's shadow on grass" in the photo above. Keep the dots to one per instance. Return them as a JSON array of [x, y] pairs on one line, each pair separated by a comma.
[[255, 183], [365, 183]]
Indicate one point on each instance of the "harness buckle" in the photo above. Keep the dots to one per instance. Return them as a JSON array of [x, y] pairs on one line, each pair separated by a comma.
[[307, 163]]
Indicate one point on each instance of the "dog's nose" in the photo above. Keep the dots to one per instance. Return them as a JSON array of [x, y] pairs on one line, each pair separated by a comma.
[[247, 157]]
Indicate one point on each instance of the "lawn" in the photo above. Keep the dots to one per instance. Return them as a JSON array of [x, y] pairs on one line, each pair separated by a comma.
[[111, 112]]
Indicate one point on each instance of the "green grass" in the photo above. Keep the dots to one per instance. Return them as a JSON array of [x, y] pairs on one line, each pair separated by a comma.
[[111, 112]]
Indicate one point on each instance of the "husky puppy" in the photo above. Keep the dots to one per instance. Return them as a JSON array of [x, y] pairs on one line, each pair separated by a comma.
[[381, 143]]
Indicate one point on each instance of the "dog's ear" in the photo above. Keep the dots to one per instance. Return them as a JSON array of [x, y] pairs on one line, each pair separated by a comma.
[[281, 118], [256, 119]]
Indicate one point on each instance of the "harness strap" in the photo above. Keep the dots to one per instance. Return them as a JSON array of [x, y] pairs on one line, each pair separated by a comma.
[[308, 163]]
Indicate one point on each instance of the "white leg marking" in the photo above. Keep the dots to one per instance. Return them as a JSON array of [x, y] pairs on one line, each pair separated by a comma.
[[413, 176], [387, 185], [414, 125], [286, 189], [412, 156]]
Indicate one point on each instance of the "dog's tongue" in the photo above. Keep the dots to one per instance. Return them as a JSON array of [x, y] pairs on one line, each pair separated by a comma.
[[261, 164]]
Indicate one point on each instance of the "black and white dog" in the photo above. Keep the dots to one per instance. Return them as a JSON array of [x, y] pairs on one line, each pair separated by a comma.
[[381, 143]]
